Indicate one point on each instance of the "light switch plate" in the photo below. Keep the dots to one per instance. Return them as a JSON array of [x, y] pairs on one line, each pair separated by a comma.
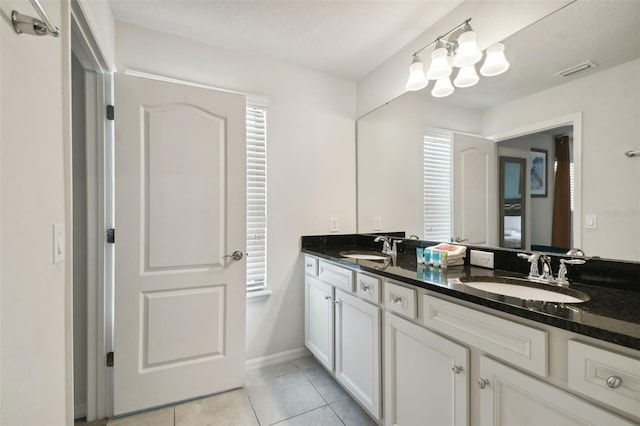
[[590, 221], [58, 243], [482, 258], [377, 223], [334, 224]]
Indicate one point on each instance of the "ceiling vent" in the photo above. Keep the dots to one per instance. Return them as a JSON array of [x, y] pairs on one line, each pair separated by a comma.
[[576, 69]]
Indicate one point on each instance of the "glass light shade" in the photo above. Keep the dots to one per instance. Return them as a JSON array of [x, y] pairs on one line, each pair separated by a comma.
[[466, 77], [417, 80], [440, 67], [442, 88], [468, 52], [495, 63]]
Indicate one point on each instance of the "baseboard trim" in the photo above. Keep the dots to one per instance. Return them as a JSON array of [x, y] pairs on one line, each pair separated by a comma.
[[277, 358], [80, 410]]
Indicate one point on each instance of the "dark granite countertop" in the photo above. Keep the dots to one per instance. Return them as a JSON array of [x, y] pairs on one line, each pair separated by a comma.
[[612, 314]]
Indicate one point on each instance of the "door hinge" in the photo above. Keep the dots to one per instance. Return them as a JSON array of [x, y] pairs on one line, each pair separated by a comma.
[[111, 236], [109, 359], [110, 112]]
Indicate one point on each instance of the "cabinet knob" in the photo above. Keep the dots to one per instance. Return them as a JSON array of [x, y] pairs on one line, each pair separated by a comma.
[[327, 297], [309, 265], [614, 382], [483, 383], [456, 369], [364, 287], [396, 299], [335, 302]]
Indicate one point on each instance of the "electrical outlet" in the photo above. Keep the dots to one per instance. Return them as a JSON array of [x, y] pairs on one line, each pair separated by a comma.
[[482, 258], [58, 243], [334, 224], [377, 223]]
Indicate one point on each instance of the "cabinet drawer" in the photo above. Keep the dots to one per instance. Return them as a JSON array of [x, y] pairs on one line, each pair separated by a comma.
[[399, 299], [311, 265], [368, 288], [518, 344], [336, 276], [605, 376]]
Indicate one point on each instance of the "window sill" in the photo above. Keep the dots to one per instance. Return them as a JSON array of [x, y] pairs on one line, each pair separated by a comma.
[[259, 296]]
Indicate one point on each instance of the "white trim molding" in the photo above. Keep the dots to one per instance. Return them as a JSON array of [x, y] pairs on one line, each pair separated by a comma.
[[277, 358]]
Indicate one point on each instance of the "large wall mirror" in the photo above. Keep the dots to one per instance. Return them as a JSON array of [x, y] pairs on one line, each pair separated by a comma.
[[436, 168]]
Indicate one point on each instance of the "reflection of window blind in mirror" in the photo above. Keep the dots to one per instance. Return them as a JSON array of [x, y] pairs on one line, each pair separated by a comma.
[[256, 198], [437, 185], [571, 180]]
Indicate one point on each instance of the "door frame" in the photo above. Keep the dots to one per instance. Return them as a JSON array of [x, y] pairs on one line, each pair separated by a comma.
[[574, 120], [87, 45]]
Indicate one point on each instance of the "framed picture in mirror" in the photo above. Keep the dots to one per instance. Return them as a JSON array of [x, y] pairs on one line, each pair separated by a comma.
[[538, 172]]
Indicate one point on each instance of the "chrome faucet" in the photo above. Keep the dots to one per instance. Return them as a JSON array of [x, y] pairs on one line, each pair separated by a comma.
[[546, 276], [389, 247], [386, 244]]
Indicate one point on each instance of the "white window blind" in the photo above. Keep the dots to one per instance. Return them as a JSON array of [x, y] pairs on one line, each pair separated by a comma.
[[571, 180], [437, 185], [256, 198]]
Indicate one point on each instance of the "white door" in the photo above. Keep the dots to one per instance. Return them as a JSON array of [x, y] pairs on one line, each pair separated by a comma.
[[180, 208], [357, 343], [510, 397], [318, 322], [426, 377], [475, 190]]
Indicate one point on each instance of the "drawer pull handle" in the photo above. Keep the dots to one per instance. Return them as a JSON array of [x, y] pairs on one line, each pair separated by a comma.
[[309, 265], [482, 382], [335, 302], [327, 297], [365, 287], [456, 369], [614, 382], [396, 299]]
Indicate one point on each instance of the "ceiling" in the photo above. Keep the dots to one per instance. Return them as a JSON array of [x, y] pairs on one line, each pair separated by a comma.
[[605, 32], [343, 38]]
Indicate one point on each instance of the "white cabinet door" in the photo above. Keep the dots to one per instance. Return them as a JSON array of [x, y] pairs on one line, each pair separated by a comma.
[[511, 397], [318, 327], [426, 376], [358, 349]]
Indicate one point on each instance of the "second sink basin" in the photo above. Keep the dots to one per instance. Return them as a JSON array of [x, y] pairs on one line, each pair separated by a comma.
[[525, 290], [364, 255]]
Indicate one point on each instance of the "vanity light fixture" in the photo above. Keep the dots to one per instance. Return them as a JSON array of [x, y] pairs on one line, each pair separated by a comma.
[[455, 49]]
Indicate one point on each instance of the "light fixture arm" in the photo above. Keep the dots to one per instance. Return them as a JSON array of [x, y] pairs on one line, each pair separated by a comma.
[[444, 38]]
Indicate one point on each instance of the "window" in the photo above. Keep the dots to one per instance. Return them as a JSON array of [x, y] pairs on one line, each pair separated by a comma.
[[437, 185], [571, 180], [256, 198]]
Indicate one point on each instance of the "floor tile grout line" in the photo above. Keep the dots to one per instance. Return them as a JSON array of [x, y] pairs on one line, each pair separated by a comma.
[[252, 407], [337, 415], [298, 415]]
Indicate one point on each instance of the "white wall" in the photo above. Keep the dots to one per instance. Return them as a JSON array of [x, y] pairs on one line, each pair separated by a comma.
[[311, 155], [493, 21], [33, 290], [610, 104], [390, 159], [98, 14]]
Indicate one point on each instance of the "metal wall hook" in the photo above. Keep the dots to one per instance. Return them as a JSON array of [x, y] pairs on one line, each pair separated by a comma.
[[632, 154]]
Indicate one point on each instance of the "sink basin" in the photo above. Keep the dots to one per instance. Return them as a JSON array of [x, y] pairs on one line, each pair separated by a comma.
[[525, 290], [364, 255]]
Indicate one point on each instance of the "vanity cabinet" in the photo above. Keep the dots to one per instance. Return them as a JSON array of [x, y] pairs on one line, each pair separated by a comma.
[[343, 330], [511, 397], [450, 362], [426, 376]]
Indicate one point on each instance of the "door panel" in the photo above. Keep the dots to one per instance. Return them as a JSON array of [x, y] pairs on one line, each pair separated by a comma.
[[180, 207], [475, 190]]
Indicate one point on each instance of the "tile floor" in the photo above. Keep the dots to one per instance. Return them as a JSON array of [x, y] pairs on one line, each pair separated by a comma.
[[295, 393]]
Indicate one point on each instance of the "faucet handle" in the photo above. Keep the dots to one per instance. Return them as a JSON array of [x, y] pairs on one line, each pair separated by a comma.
[[533, 260], [562, 272]]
